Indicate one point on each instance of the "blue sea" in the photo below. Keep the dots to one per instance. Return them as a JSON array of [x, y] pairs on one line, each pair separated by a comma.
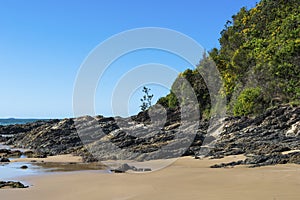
[[12, 121]]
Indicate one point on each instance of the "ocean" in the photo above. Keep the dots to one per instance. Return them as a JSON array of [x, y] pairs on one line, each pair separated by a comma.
[[12, 121]]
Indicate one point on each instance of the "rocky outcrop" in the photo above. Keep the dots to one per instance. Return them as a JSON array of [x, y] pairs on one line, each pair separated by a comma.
[[109, 138], [22, 128], [48, 138], [263, 139], [8, 153], [11, 184], [4, 160]]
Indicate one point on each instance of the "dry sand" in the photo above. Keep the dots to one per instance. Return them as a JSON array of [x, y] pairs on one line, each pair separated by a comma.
[[186, 179]]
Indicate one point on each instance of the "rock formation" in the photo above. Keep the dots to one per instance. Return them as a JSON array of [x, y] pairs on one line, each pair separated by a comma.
[[266, 139]]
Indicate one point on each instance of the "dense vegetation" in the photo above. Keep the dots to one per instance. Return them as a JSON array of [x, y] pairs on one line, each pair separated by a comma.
[[258, 58]]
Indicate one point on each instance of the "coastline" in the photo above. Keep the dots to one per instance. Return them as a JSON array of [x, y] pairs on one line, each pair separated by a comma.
[[260, 142], [186, 178]]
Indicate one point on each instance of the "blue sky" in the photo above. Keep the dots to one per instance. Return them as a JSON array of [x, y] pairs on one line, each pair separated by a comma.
[[43, 44]]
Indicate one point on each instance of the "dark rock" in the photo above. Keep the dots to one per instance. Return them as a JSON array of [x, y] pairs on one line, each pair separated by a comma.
[[4, 151], [125, 167], [14, 154], [42, 155], [12, 184], [28, 154], [230, 164], [117, 171], [264, 137], [24, 167], [8, 153], [3, 139], [4, 160], [87, 157]]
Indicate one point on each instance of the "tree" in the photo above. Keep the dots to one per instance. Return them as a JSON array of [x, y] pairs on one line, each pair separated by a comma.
[[147, 99], [250, 101], [260, 48], [258, 59]]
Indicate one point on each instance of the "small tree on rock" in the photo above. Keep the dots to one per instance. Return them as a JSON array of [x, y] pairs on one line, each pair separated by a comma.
[[147, 99]]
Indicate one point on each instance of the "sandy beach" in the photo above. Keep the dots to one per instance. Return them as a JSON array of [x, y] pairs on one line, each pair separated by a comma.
[[186, 178], [150, 100]]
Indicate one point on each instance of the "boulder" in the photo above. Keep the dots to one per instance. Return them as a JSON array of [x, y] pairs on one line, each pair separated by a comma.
[[12, 184], [125, 167], [4, 160], [24, 167]]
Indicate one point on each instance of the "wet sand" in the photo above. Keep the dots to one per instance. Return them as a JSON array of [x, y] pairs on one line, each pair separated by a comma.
[[186, 179], [61, 163], [59, 158]]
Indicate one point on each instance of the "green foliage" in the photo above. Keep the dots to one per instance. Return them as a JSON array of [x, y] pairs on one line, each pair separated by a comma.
[[259, 51], [260, 47], [188, 86], [170, 101], [191, 85], [163, 101], [248, 102]]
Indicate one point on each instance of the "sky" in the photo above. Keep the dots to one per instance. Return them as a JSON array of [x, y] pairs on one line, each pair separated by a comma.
[[44, 43]]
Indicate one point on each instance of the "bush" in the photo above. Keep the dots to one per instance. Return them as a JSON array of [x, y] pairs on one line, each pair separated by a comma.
[[170, 101], [250, 101]]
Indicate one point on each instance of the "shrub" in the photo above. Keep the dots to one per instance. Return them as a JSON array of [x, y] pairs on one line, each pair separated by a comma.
[[250, 101]]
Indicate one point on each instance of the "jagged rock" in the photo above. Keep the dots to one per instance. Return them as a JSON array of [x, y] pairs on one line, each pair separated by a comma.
[[28, 154], [264, 137], [4, 151], [16, 154], [10, 153], [230, 164], [125, 167]]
